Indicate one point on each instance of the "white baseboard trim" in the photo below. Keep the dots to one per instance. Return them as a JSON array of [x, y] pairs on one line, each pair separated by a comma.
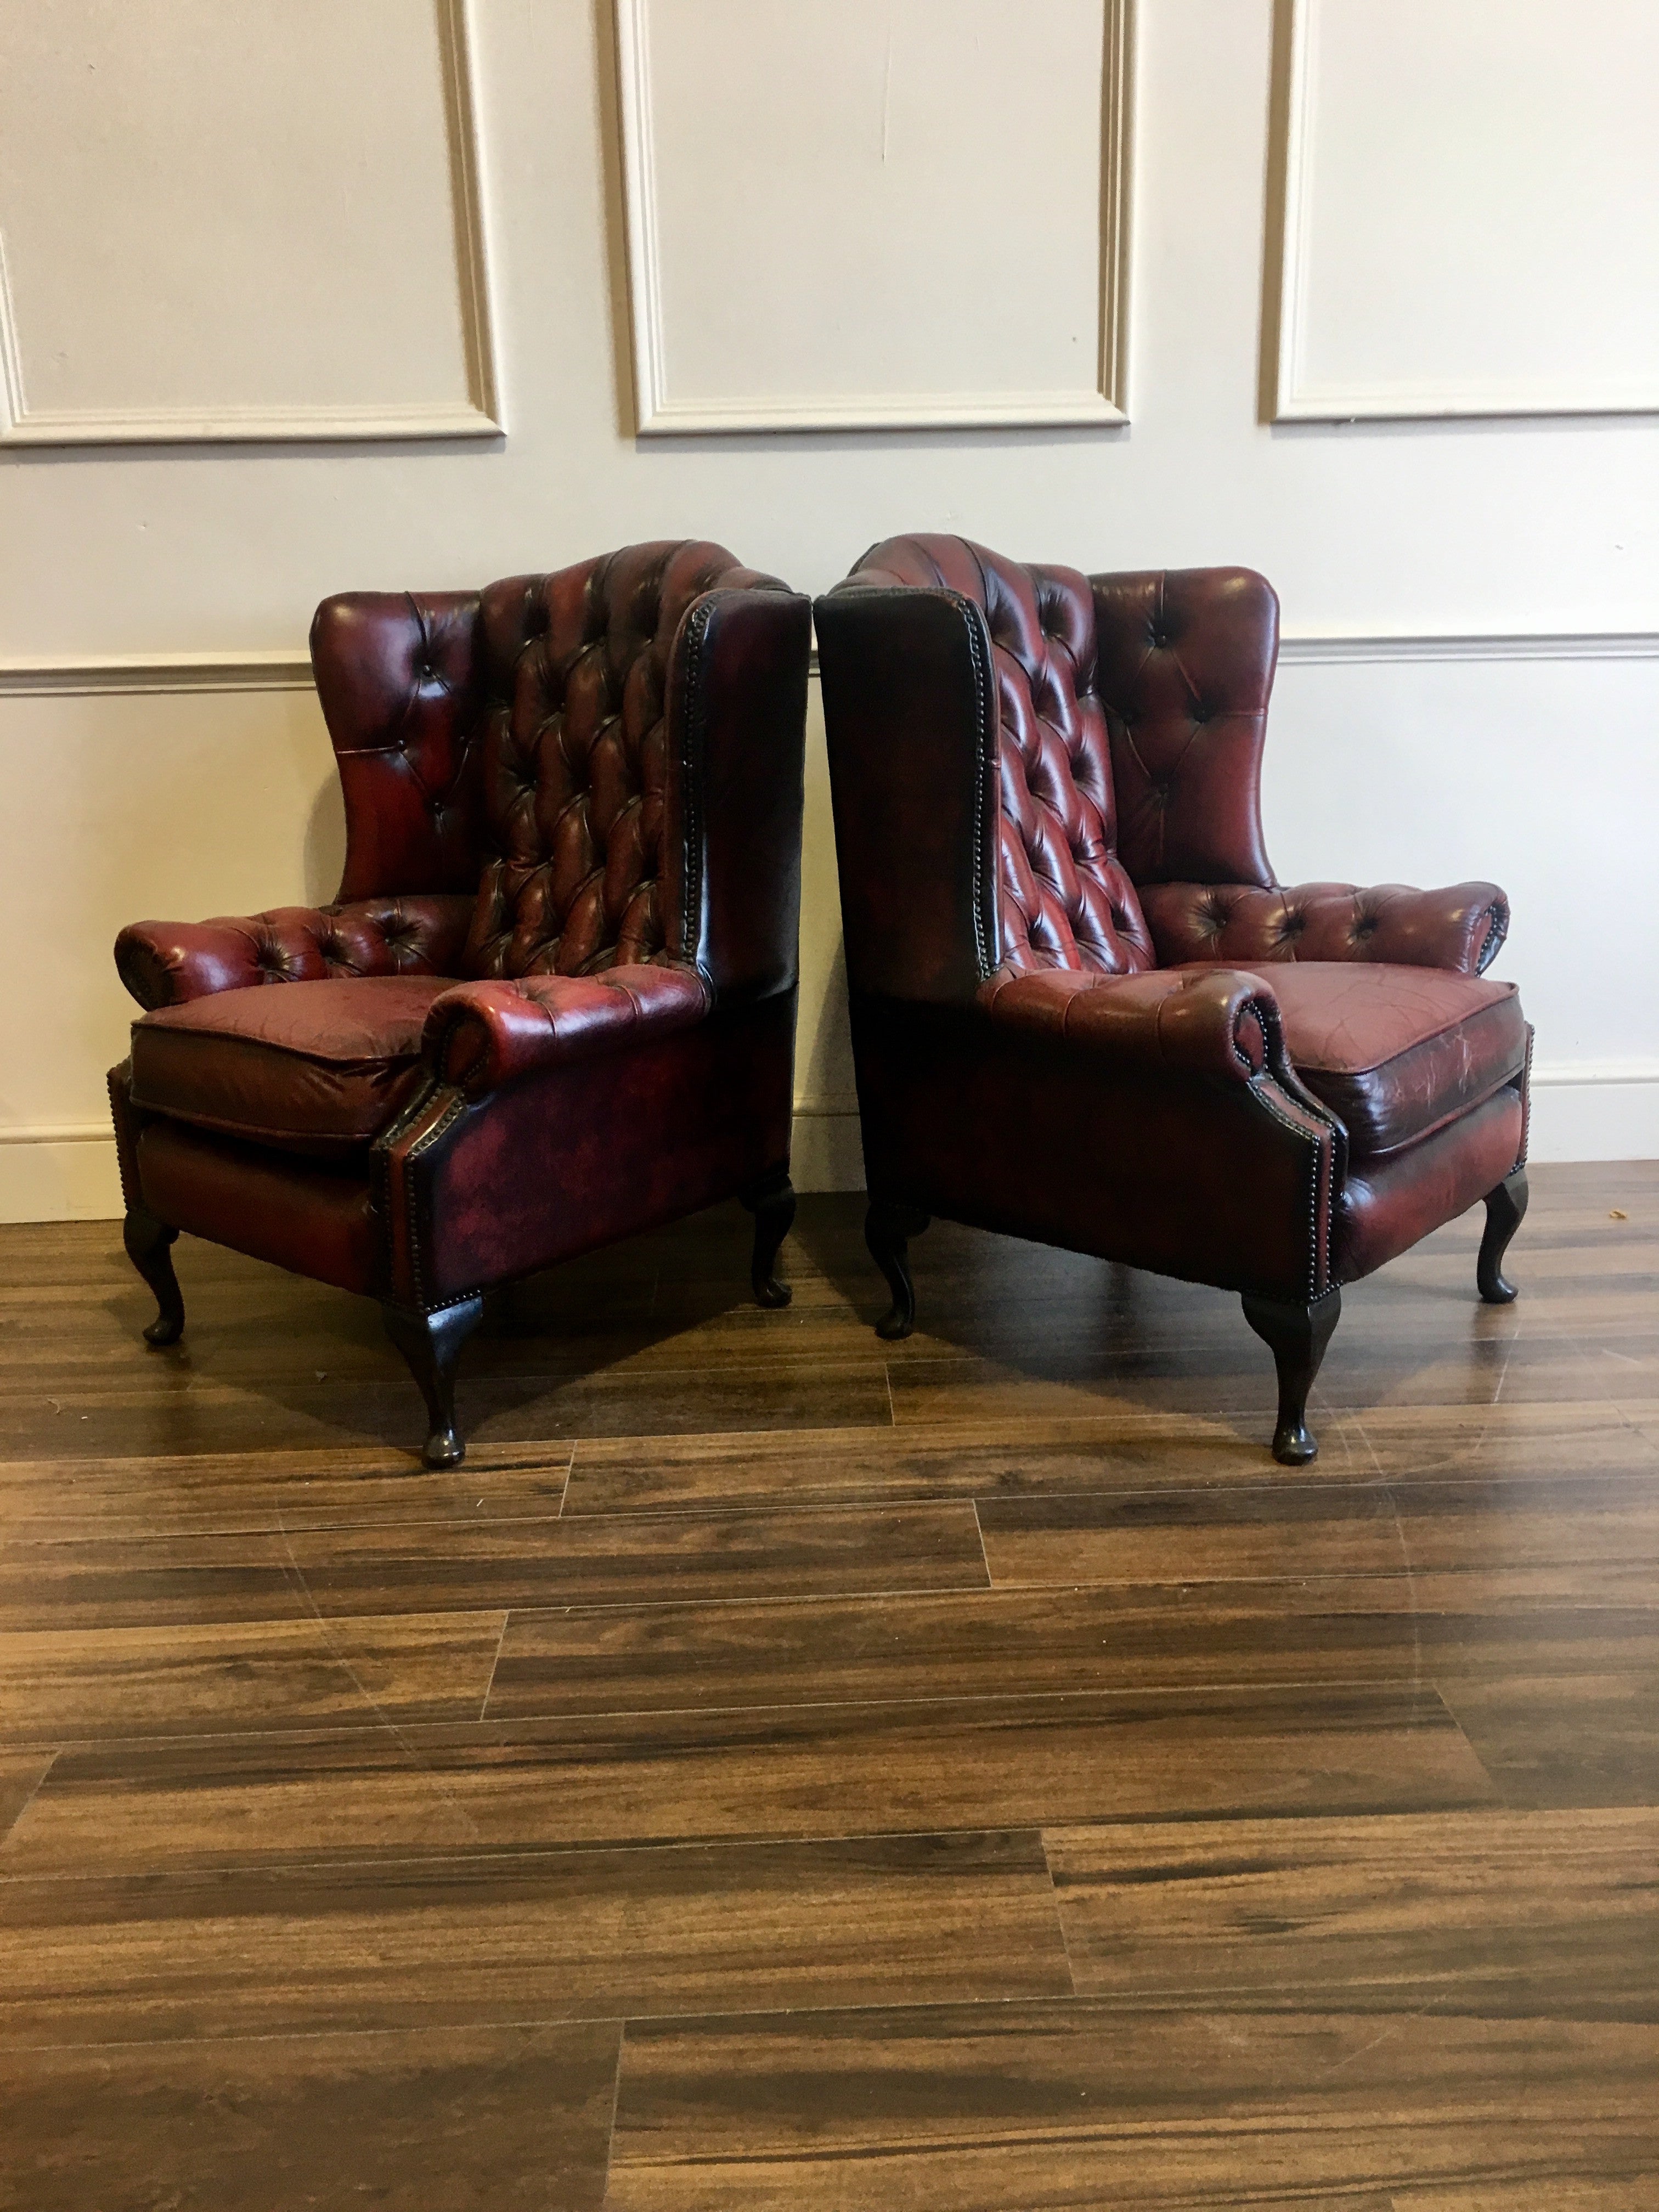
[[1594, 1110], [63, 1172], [826, 1150]]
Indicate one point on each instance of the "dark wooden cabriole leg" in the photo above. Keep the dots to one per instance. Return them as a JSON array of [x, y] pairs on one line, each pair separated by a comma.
[[773, 1205], [431, 1343], [150, 1247], [1506, 1208], [888, 1227], [1297, 1335]]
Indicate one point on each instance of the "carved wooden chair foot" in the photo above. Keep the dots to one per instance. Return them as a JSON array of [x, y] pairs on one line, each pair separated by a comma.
[[1297, 1335], [888, 1227], [1506, 1209], [150, 1247], [773, 1205]]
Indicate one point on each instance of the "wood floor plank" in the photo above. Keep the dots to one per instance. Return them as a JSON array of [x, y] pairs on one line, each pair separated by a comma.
[[824, 1771], [186, 1679], [1125, 1449], [1367, 1628], [1074, 2105], [425, 1566], [1579, 1537], [166, 1581], [514, 2116], [104, 1420], [1634, 2193], [891, 1919], [1552, 1736], [1349, 1774], [1494, 1912], [968, 1387], [22, 1774], [641, 1560], [223, 1493]]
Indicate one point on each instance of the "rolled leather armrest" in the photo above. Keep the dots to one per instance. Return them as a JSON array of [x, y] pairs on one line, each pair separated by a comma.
[[480, 1036], [1212, 1021], [1459, 927], [163, 963]]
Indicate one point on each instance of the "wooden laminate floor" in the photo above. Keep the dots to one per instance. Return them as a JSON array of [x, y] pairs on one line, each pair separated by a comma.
[[781, 1770]]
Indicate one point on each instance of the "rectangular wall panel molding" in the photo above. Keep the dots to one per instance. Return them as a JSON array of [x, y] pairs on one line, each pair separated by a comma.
[[913, 248], [281, 237], [1453, 184]]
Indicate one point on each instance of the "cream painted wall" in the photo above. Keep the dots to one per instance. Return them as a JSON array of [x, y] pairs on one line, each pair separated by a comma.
[[1527, 749]]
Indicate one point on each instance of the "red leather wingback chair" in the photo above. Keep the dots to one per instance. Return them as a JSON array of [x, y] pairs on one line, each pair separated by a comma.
[[554, 1002], [1084, 1009]]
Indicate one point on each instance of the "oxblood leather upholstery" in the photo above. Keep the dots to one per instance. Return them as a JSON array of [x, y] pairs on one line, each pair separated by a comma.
[[553, 1001], [1395, 1052], [1083, 1009], [1461, 926], [164, 963], [480, 1036], [321, 1069]]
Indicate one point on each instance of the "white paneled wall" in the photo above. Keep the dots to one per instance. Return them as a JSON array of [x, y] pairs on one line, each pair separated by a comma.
[[1468, 208], [842, 275], [897, 209], [224, 221]]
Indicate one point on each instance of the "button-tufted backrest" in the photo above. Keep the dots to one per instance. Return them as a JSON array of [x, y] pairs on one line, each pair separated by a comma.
[[1185, 667], [574, 767], [395, 675], [513, 743], [1064, 898]]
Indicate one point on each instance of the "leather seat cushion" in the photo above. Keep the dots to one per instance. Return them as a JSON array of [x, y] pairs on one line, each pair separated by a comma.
[[318, 1068], [1397, 1052]]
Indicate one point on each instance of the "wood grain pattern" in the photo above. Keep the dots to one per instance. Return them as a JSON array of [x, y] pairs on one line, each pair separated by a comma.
[[1124, 1450], [22, 1774], [962, 1774], [221, 1493], [512, 2117], [1377, 1628], [1576, 1536], [1550, 1737], [835, 1771], [869, 1922], [1077, 2104], [190, 1678], [1494, 1912], [479, 1563]]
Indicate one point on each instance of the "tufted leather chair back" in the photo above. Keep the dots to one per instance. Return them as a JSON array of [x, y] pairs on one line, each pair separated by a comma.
[[1063, 896], [515, 743], [1185, 669], [1124, 726], [575, 768]]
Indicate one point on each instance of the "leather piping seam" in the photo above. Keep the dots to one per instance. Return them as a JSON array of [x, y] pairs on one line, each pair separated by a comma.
[[692, 753], [1317, 1146], [444, 1121], [1259, 1008], [978, 656], [1498, 928]]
